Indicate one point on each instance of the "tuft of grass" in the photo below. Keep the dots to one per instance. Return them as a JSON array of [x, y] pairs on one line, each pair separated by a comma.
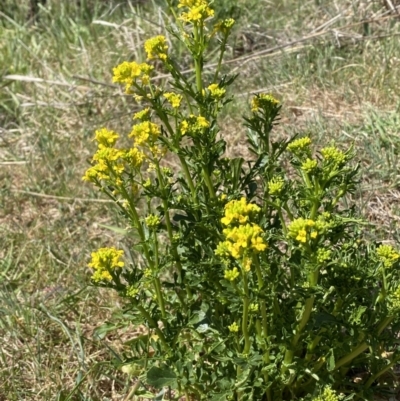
[[334, 65]]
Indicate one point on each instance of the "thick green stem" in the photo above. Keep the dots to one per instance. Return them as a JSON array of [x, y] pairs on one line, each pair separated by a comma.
[[245, 320], [362, 347], [381, 372], [209, 184], [289, 354]]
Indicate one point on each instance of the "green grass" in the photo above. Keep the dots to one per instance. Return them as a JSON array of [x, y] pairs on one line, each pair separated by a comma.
[[334, 65]]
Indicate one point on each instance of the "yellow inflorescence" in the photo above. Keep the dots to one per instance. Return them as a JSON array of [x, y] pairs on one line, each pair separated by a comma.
[[231, 275], [105, 260], [145, 133], [263, 101], [242, 239], [233, 328], [198, 10], [174, 99], [106, 138], [334, 155], [309, 165], [239, 212], [194, 125], [275, 186], [302, 229], [301, 144], [387, 255], [327, 395], [156, 47], [216, 92], [152, 221], [127, 73]]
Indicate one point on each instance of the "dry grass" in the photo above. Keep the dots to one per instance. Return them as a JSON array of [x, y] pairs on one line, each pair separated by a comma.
[[334, 65]]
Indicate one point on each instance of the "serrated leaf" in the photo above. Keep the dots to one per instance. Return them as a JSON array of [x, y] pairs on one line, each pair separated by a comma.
[[161, 377]]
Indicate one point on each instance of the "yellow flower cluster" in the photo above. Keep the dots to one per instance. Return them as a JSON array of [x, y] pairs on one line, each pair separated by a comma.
[[224, 26], [243, 239], [156, 48], [233, 328], [174, 99], [394, 301], [131, 291], [275, 186], [327, 395], [264, 101], [231, 275], [198, 10], [194, 125], [333, 154], [239, 212], [127, 73], [323, 255], [299, 145], [109, 162], [145, 133], [105, 260], [216, 92], [309, 165], [387, 255], [152, 221], [302, 229]]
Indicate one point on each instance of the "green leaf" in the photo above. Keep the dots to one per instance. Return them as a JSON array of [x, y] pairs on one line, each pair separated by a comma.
[[161, 377], [331, 361], [117, 230]]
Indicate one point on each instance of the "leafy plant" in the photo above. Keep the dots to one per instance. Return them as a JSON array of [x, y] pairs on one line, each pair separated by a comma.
[[253, 279]]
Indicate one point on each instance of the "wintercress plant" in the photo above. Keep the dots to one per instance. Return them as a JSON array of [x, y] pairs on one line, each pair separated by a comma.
[[253, 279]]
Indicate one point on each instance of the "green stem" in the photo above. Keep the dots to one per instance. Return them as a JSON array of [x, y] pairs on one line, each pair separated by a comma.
[[157, 283], [209, 184], [188, 178], [381, 372], [245, 320], [289, 354], [197, 62], [223, 44], [280, 214], [362, 347], [152, 323]]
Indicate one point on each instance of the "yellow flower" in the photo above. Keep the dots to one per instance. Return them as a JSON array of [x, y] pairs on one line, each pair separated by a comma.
[[265, 102], [198, 11], [156, 47], [275, 186], [333, 154], [233, 328], [127, 73], [241, 240], [224, 26], [302, 229], [106, 138], [152, 221], [145, 133], [104, 261], [131, 291], [387, 255], [216, 91], [299, 145], [239, 211], [309, 165], [194, 125], [327, 395], [231, 275], [174, 99], [134, 157]]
